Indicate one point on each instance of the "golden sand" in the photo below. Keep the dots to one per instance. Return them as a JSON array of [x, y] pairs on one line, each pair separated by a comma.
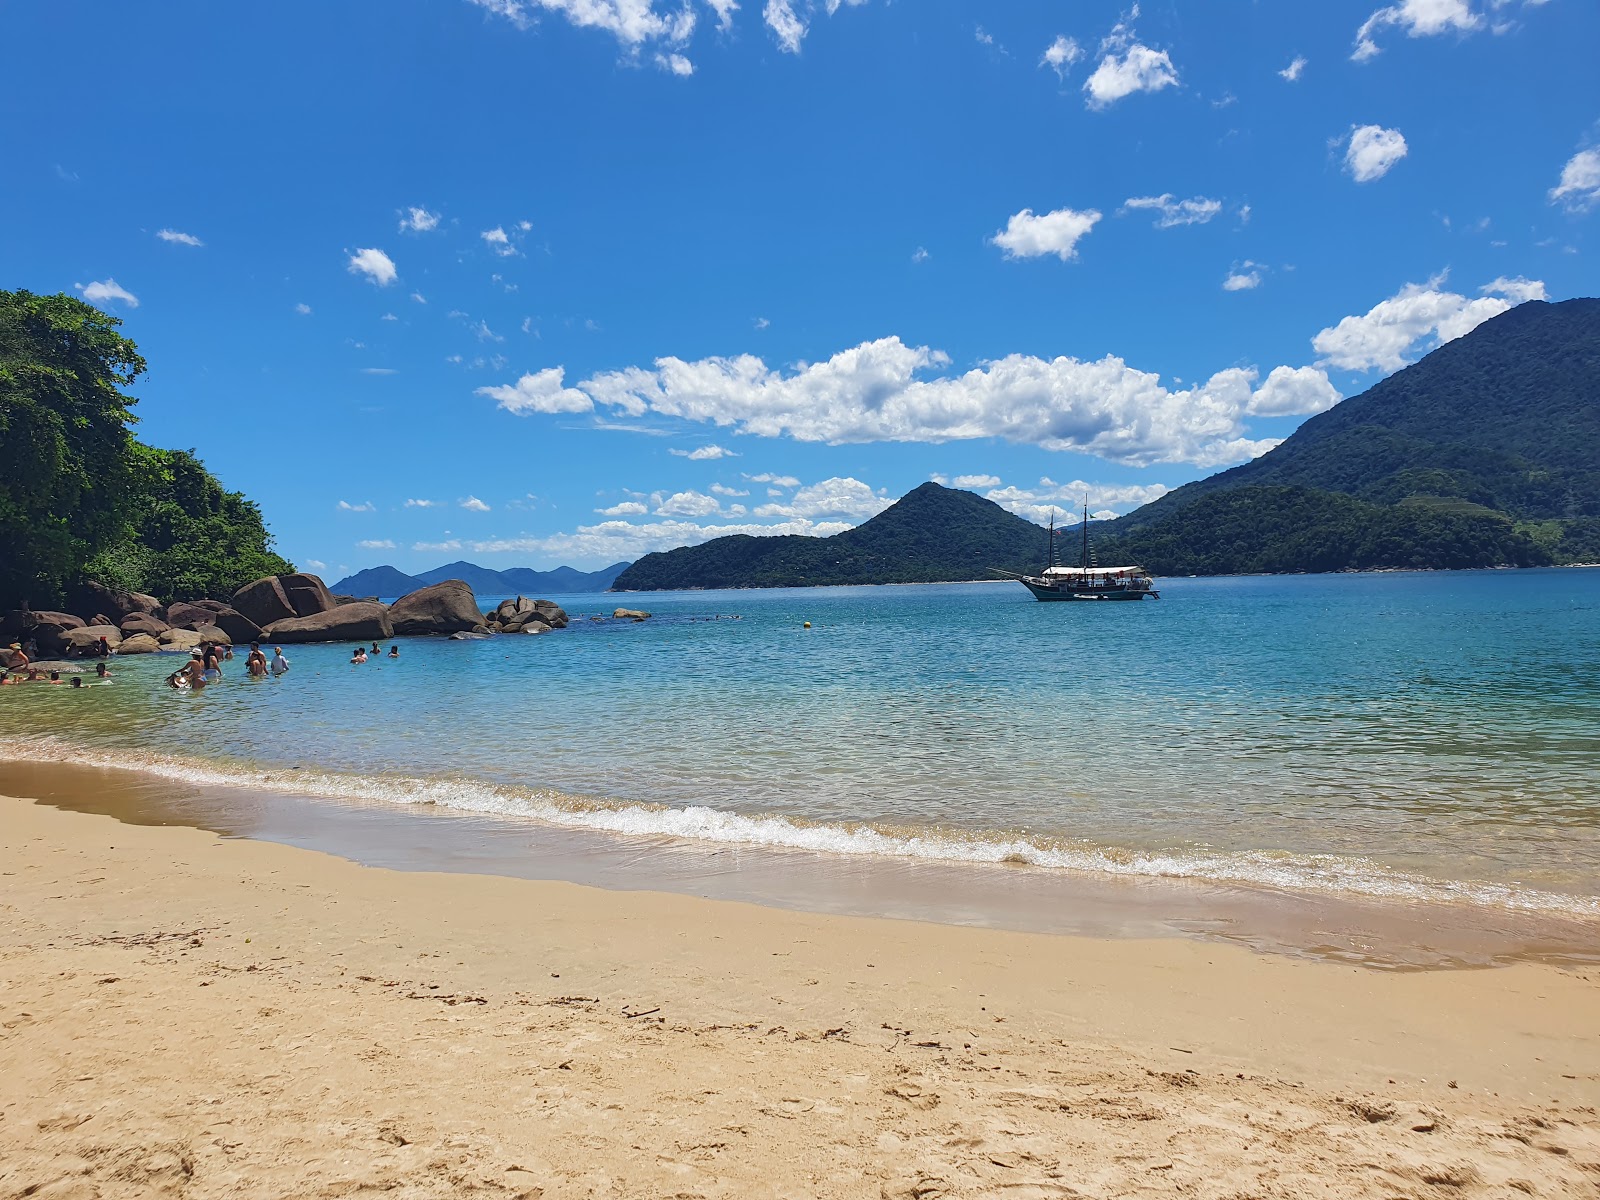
[[187, 1016]]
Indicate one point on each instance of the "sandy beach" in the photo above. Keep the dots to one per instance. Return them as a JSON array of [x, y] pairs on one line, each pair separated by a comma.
[[191, 1016]]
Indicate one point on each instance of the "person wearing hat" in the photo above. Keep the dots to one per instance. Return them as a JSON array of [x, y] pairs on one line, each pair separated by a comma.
[[196, 670], [19, 658]]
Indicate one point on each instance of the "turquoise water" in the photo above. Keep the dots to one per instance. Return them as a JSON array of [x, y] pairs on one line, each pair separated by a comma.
[[1432, 735]]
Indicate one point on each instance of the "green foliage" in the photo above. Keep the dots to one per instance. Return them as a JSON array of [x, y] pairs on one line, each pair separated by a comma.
[[1249, 530], [64, 429], [931, 534], [187, 537], [79, 497]]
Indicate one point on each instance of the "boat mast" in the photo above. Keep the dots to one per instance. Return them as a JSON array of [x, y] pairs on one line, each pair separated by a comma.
[[1051, 557], [1085, 563]]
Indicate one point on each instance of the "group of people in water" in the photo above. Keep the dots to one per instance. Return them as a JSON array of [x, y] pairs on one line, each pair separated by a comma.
[[24, 671], [205, 665]]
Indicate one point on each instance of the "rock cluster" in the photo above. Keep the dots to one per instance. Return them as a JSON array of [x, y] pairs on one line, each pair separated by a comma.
[[525, 616], [278, 608]]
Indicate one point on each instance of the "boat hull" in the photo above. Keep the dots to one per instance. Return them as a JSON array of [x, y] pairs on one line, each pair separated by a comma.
[[1051, 593]]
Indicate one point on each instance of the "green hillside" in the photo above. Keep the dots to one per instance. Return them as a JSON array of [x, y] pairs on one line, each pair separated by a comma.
[[931, 534], [1507, 417], [1484, 453]]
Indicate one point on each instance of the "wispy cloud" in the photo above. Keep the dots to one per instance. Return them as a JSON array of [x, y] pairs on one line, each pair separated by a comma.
[[177, 238], [102, 291]]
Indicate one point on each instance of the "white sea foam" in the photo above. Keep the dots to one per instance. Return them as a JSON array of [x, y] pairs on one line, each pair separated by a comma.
[[1267, 868]]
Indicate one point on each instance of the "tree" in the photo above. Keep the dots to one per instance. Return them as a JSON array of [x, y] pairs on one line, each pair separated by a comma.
[[187, 537], [65, 466]]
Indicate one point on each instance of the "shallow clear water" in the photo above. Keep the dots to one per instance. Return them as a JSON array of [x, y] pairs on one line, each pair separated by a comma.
[[1433, 734]]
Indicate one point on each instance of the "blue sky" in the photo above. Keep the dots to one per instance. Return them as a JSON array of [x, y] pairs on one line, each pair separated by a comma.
[[542, 281]]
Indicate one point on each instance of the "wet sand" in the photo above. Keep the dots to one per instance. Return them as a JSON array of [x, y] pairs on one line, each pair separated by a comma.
[[1392, 934], [187, 1015]]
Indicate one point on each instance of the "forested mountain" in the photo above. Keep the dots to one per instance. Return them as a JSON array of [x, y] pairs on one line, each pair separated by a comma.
[[931, 534]]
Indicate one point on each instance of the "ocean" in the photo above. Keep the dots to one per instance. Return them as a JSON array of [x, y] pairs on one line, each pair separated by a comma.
[[1403, 738]]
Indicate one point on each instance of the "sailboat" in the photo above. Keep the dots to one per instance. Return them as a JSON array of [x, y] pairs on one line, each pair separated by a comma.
[[1087, 580]]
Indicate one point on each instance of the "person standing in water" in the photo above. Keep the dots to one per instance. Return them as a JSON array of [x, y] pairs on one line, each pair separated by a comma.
[[256, 664], [394, 650], [280, 664]]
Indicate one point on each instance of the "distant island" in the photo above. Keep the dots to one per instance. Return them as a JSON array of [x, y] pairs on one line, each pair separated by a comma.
[[388, 581], [1485, 453], [482, 580]]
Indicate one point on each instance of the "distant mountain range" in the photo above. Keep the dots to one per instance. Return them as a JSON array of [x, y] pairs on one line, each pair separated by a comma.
[[388, 581], [1484, 453]]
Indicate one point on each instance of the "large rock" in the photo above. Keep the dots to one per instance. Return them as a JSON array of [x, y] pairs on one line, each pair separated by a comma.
[[98, 598], [307, 594], [280, 597], [49, 629], [554, 615], [264, 601], [140, 643], [188, 639], [630, 614], [145, 623], [361, 622], [84, 641], [190, 615], [231, 621], [178, 639], [445, 607]]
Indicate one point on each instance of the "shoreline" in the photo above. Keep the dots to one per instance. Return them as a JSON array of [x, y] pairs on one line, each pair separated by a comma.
[[1383, 933], [204, 1017]]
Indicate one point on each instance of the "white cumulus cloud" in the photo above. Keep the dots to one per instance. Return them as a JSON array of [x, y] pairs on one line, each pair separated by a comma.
[[375, 265], [976, 481], [1172, 211], [542, 392], [1372, 150], [885, 390], [1242, 280], [704, 453], [1517, 290], [303, 309], [1059, 502], [422, 503], [1419, 317], [1061, 54], [1419, 18], [418, 220], [1136, 69], [628, 508], [1579, 189], [724, 10], [837, 497], [1030, 235], [346, 506], [1295, 69], [376, 544], [1292, 392], [473, 504], [781, 481], [177, 238], [104, 290]]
